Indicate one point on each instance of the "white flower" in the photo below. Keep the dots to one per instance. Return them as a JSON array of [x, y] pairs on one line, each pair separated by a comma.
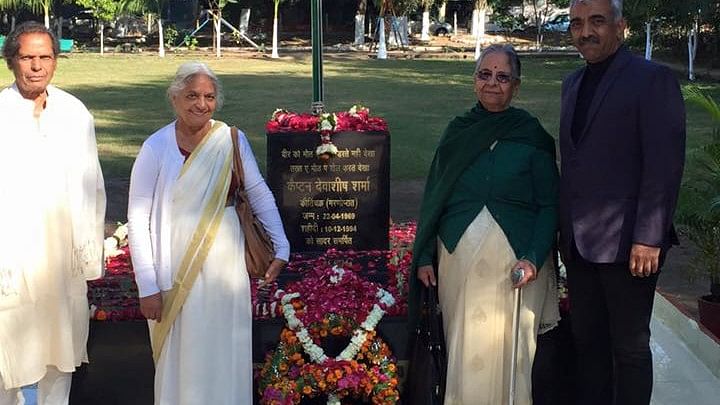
[[327, 122], [352, 349], [289, 297], [339, 273], [385, 297], [333, 400], [121, 234], [328, 148], [110, 248]]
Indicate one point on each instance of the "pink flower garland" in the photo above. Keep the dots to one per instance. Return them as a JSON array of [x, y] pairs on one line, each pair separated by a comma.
[[357, 119]]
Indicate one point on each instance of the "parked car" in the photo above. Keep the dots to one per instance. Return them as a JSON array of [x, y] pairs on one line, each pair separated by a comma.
[[561, 23], [436, 27]]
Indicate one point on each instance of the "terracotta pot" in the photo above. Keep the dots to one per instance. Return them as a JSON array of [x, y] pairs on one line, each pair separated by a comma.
[[710, 314]]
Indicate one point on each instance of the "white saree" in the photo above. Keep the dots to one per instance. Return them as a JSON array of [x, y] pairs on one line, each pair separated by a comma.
[[52, 208], [206, 356], [476, 297]]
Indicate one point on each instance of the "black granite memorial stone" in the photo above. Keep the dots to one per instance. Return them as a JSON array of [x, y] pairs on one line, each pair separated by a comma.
[[342, 202]]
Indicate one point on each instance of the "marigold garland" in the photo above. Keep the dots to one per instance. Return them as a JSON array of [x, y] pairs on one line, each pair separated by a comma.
[[299, 367]]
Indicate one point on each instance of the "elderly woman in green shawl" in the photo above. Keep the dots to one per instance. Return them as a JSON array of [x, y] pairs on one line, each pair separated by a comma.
[[489, 207]]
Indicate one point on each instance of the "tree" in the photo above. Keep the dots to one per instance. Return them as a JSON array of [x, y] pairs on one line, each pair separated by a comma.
[[276, 4], [104, 10], [217, 6], [149, 8], [383, 7], [360, 22], [37, 6], [425, 31], [541, 12], [11, 5], [643, 13], [479, 25]]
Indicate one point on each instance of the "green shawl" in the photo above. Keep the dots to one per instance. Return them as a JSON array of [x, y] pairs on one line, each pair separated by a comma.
[[464, 139]]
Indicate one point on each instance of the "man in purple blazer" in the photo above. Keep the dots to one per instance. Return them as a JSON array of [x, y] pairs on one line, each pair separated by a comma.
[[622, 142]]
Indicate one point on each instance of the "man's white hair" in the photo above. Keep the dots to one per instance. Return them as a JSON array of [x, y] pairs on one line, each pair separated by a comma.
[[616, 5]]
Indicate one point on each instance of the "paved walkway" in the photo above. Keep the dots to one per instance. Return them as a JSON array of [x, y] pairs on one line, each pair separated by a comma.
[[680, 377]]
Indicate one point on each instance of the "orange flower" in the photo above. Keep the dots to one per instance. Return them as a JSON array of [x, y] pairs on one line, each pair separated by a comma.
[[307, 390]]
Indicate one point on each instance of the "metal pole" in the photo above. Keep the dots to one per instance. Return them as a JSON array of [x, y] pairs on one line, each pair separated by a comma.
[[517, 298], [318, 94]]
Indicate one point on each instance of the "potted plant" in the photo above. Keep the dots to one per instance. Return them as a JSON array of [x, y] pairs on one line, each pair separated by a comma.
[[699, 212]]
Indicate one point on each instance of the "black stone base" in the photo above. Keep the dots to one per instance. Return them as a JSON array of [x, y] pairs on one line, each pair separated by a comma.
[[121, 369]]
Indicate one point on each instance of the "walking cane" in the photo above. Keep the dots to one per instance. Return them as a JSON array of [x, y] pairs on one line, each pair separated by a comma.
[[517, 274]]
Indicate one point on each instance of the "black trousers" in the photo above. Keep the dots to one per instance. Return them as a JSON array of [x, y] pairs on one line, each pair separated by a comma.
[[611, 313]]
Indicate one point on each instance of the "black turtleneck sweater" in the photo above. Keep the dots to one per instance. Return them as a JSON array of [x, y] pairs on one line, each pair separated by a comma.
[[594, 73]]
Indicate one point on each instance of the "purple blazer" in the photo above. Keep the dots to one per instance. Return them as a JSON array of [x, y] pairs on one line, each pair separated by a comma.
[[619, 183]]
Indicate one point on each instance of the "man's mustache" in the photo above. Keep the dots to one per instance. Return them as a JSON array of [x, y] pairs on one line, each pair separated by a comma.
[[589, 40]]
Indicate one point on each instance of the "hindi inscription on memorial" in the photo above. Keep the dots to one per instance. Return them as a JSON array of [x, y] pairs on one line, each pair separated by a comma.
[[342, 202]]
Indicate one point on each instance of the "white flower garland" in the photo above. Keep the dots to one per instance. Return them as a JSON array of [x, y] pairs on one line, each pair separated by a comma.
[[316, 353]]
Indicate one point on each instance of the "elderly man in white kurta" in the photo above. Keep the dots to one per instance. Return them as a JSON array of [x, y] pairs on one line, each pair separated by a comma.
[[52, 207]]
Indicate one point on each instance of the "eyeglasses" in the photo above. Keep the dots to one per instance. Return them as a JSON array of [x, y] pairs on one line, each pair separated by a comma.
[[486, 75]]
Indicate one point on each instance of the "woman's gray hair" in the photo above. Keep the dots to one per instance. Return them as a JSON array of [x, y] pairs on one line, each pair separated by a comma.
[[616, 5], [184, 75], [12, 42], [506, 49]]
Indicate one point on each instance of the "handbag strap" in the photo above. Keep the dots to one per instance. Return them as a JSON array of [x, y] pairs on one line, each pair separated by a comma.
[[237, 168]]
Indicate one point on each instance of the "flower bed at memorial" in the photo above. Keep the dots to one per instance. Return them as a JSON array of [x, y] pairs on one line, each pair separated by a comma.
[[114, 297]]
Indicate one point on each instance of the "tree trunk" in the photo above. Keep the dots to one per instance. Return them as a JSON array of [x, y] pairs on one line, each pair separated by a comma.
[[481, 23], [218, 32], [359, 29], [47, 16], [474, 23], [648, 40], [12, 23], [102, 38], [161, 39], [59, 27], [692, 50], [455, 23], [441, 11], [478, 25], [425, 33], [275, 38], [382, 47]]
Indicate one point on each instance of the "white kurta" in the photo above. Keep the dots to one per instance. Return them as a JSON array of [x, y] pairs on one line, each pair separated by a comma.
[[52, 208], [476, 297]]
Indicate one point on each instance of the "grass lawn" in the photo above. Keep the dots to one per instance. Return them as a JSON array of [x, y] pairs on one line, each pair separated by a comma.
[[126, 94]]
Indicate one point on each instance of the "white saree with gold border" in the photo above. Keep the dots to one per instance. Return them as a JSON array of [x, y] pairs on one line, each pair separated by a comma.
[[204, 354]]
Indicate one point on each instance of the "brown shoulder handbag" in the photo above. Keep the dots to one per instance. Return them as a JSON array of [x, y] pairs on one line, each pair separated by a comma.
[[258, 246]]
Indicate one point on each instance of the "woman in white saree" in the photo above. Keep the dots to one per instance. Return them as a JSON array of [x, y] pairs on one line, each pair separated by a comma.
[[187, 243]]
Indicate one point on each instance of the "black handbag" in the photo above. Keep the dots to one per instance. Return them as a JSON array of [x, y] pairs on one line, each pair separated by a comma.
[[427, 369]]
